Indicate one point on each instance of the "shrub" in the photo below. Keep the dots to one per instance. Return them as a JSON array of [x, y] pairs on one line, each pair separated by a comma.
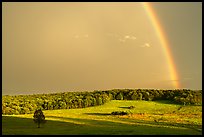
[[119, 113], [131, 107]]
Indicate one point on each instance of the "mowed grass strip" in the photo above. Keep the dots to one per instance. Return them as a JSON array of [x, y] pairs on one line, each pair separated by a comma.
[[147, 118]]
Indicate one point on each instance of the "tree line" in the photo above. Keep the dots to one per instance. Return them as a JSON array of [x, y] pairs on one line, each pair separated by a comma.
[[27, 104]]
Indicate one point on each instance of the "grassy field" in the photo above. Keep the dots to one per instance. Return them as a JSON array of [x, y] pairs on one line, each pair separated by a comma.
[[147, 118]]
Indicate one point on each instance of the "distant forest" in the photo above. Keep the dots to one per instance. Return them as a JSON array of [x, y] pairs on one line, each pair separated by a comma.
[[27, 104]]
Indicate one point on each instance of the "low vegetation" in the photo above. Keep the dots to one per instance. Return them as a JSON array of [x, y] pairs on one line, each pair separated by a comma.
[[27, 104], [119, 113]]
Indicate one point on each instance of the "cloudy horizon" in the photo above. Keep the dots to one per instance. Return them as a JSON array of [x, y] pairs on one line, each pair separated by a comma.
[[58, 47]]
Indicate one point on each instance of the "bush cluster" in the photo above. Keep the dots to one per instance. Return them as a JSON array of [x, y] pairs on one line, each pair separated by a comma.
[[119, 113], [131, 107]]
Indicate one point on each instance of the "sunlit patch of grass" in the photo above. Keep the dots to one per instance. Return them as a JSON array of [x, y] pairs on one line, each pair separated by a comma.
[[144, 110]]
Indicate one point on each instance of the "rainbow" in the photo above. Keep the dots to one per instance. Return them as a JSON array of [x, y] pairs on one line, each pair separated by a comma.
[[164, 42]]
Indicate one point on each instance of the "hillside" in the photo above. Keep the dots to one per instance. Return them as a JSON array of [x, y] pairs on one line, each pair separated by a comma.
[[147, 117], [27, 104]]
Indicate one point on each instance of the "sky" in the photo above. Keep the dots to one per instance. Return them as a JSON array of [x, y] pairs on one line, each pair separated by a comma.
[[86, 46]]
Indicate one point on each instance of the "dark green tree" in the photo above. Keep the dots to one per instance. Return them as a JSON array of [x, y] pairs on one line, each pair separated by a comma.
[[119, 96], [94, 103], [39, 117], [134, 96], [99, 100], [140, 96]]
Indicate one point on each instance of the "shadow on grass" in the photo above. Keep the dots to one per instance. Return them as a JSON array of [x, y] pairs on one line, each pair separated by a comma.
[[12, 125], [126, 107], [133, 121], [166, 102], [67, 126], [98, 114]]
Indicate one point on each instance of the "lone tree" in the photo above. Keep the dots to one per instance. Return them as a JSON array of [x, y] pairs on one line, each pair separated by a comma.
[[39, 117]]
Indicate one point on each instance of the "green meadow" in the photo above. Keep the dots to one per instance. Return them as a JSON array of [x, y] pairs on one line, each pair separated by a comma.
[[147, 118]]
